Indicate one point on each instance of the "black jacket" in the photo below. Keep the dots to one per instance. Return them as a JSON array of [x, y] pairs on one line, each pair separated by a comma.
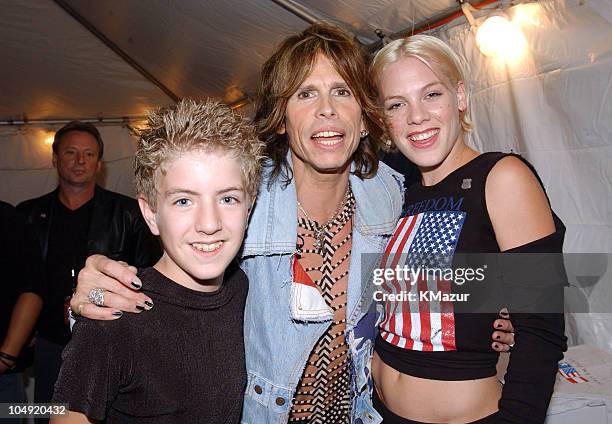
[[117, 228]]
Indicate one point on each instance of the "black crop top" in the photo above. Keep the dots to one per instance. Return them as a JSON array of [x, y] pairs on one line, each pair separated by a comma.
[[425, 336]]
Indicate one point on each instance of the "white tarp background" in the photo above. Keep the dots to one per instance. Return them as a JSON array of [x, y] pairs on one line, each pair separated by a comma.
[[554, 107]]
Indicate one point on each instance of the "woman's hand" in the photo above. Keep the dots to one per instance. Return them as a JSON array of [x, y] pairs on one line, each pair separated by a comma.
[[121, 286], [503, 336]]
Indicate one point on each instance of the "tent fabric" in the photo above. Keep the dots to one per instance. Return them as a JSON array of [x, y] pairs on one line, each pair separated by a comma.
[[196, 49], [54, 68], [554, 106]]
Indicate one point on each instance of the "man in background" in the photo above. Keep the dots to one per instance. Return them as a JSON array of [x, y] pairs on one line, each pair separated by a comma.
[[78, 219]]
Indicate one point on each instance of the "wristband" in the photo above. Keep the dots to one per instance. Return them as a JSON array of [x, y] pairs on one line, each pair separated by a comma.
[[4, 355], [9, 367]]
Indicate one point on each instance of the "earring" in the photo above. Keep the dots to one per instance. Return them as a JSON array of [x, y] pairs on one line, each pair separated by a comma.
[[363, 133], [388, 142]]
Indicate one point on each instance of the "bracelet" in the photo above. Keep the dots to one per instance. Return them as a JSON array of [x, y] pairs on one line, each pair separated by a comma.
[[9, 366], [7, 356]]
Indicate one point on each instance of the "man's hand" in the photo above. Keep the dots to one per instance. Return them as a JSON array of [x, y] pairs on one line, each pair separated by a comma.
[[503, 336], [121, 286]]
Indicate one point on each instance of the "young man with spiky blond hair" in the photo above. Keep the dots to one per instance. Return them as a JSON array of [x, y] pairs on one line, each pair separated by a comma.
[[197, 171]]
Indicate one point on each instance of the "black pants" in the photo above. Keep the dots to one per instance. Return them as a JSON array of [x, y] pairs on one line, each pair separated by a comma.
[[391, 418]]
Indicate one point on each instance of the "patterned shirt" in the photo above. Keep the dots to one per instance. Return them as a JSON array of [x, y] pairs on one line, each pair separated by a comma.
[[323, 393]]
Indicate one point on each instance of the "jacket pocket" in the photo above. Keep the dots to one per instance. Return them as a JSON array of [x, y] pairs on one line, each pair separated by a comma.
[[264, 402]]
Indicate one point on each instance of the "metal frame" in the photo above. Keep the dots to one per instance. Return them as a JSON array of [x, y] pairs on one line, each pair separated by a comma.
[[58, 121], [114, 47], [302, 12]]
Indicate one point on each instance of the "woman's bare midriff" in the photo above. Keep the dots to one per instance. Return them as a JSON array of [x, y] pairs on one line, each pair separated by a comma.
[[435, 401]]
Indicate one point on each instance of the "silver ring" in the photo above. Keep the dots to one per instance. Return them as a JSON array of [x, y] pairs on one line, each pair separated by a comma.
[[96, 296]]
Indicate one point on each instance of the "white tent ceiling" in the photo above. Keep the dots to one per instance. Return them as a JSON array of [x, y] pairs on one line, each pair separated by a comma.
[[61, 63]]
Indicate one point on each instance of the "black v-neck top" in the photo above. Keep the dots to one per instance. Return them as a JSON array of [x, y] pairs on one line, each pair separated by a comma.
[[66, 255]]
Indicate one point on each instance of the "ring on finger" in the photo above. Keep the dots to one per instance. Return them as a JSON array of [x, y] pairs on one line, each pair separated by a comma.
[[96, 296], [79, 309]]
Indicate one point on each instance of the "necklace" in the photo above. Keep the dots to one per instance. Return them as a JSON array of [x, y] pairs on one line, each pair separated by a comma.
[[318, 229]]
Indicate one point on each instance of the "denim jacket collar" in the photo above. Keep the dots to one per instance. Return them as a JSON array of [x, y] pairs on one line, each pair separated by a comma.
[[273, 224]]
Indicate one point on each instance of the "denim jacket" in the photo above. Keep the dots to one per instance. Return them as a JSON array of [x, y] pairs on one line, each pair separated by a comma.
[[282, 322]]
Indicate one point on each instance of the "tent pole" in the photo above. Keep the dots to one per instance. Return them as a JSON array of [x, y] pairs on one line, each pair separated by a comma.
[[114, 47], [123, 120], [300, 11]]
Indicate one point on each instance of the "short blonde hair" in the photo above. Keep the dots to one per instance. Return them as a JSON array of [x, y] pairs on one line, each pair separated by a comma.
[[433, 52], [195, 125]]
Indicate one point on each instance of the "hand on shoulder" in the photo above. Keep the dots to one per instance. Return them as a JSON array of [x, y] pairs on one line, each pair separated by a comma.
[[115, 278]]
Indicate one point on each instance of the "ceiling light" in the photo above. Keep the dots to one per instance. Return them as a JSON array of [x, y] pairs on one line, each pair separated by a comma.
[[497, 36]]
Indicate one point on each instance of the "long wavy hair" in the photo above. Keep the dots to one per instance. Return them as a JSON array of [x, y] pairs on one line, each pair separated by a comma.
[[285, 71]]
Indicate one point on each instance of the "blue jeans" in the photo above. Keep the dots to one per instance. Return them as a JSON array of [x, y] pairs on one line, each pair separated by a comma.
[[11, 391]]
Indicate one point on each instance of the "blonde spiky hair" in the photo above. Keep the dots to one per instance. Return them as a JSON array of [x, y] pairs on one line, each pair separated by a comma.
[[195, 125]]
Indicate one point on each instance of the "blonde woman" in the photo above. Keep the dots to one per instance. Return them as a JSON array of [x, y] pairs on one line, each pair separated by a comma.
[[436, 367]]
